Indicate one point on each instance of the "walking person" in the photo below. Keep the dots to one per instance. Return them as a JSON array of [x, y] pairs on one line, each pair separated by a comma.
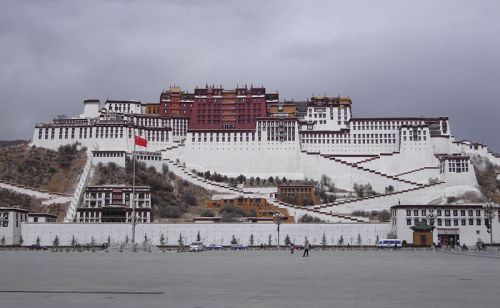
[[292, 248], [307, 246]]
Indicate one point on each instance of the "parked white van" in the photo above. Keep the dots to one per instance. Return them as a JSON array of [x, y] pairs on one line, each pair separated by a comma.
[[389, 243]]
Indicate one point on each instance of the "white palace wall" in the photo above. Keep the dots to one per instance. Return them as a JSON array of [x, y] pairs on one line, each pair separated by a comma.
[[442, 145], [123, 141], [252, 158], [220, 233]]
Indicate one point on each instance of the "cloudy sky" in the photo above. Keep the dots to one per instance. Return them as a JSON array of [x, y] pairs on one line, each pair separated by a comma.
[[393, 58]]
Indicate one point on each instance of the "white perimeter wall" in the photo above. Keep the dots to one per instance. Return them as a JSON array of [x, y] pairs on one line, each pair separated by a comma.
[[219, 233]]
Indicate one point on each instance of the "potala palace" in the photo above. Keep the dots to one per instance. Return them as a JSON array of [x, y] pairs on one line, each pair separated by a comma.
[[413, 165], [248, 131]]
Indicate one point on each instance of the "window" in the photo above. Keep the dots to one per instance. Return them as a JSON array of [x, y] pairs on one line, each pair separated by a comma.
[[478, 212], [415, 213], [447, 222], [438, 212], [455, 212], [471, 213], [478, 221], [471, 221], [455, 222], [423, 213], [463, 221], [439, 222], [446, 212], [408, 221], [462, 212], [408, 212], [5, 220]]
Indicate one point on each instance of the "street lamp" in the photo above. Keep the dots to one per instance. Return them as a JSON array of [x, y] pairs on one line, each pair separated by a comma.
[[490, 214], [431, 218], [277, 219]]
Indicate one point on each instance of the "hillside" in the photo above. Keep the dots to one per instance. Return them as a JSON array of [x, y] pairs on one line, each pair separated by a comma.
[[33, 205], [486, 175], [171, 196], [10, 143], [55, 171]]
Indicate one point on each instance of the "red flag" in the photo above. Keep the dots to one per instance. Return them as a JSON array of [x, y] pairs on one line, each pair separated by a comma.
[[141, 141]]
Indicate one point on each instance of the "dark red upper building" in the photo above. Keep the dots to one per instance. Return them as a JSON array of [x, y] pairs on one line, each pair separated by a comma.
[[217, 108], [174, 102]]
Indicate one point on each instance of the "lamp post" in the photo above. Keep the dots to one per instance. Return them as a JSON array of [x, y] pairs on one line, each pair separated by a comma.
[[277, 219], [490, 214], [431, 218]]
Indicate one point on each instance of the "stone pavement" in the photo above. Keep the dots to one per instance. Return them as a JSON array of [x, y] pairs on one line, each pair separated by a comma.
[[249, 279]]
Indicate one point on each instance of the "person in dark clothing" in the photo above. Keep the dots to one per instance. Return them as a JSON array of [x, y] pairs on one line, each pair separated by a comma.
[[307, 246]]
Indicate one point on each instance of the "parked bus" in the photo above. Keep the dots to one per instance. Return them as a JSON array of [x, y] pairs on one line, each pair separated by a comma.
[[390, 243]]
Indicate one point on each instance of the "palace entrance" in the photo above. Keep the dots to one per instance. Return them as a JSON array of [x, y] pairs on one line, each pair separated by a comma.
[[448, 237]]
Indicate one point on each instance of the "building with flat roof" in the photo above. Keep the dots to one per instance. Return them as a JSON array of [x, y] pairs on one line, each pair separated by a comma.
[[246, 131], [455, 224], [11, 219], [41, 217], [112, 203], [302, 193], [239, 108], [257, 204]]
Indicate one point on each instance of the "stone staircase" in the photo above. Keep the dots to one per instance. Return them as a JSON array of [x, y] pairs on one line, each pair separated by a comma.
[[327, 216], [332, 205], [364, 169], [178, 169], [79, 189], [414, 170]]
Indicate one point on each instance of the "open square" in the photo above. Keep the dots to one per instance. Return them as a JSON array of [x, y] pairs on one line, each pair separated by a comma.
[[388, 278]]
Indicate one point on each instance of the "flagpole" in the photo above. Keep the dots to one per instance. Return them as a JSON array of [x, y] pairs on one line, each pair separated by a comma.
[[133, 193]]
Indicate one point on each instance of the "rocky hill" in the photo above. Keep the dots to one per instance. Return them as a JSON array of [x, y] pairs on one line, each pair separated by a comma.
[[55, 171], [33, 205], [486, 175], [9, 143]]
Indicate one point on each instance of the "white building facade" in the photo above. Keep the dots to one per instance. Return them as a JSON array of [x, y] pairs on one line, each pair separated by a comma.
[[11, 220], [455, 224]]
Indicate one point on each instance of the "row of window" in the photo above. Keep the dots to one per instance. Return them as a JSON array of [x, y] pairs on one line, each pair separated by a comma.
[[153, 122], [91, 217], [455, 166], [347, 141], [448, 222], [100, 132], [446, 212], [108, 154], [384, 125], [222, 137]]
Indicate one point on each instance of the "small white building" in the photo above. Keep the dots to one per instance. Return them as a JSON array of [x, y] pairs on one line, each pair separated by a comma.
[[41, 217], [456, 224], [10, 225]]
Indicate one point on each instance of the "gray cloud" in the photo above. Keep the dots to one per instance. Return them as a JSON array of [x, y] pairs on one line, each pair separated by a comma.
[[394, 58]]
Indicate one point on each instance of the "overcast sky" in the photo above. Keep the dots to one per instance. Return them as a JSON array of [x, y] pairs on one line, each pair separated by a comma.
[[393, 58]]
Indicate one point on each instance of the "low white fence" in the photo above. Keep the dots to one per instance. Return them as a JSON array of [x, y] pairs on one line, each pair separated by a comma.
[[220, 233]]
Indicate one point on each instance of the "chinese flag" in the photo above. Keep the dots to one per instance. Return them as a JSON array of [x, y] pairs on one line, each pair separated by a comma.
[[141, 141]]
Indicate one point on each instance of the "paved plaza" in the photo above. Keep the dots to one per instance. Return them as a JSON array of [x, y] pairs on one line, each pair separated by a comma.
[[249, 279]]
